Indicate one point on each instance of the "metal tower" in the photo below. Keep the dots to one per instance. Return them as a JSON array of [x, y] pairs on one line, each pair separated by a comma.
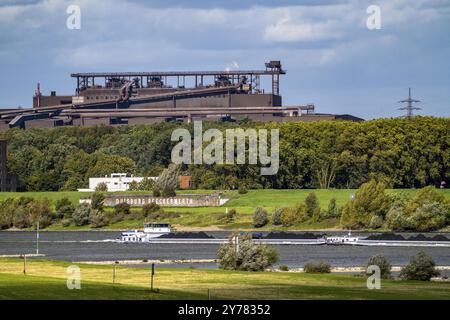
[[409, 107]]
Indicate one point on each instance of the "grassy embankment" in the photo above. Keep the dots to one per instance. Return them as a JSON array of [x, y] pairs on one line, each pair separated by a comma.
[[47, 280], [207, 217]]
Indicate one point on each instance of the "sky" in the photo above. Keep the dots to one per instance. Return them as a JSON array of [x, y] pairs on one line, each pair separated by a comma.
[[332, 58]]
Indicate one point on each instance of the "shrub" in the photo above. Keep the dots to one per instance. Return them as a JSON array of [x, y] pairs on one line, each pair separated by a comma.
[[80, 216], [276, 216], [156, 193], [98, 219], [66, 222], [21, 219], [146, 184], [370, 200], [249, 257], [292, 216], [260, 218], [396, 219], [375, 222], [242, 189], [39, 210], [317, 267], [122, 208], [133, 186], [420, 267], [97, 201], [383, 264], [149, 208], [116, 218], [64, 208], [428, 217], [333, 210], [101, 187], [7, 211], [283, 268], [168, 192], [312, 205], [229, 216]]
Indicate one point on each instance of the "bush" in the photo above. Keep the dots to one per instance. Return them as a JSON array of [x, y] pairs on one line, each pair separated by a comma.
[[317, 267], [333, 210], [161, 214], [133, 186], [250, 256], [383, 264], [156, 193], [260, 218], [420, 267], [396, 219], [242, 189], [229, 216], [428, 217], [295, 215], [312, 205], [8, 208], [283, 268], [64, 208], [375, 222], [122, 208], [116, 218], [168, 192], [98, 219], [80, 216], [370, 200], [101, 187], [66, 222], [276, 216], [97, 201], [39, 210], [149, 208], [146, 184], [21, 219]]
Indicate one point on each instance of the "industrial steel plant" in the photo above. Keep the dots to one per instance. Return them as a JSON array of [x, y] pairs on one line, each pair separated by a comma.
[[114, 98]]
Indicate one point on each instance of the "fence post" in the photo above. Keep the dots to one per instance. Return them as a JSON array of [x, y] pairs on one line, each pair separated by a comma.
[[151, 276]]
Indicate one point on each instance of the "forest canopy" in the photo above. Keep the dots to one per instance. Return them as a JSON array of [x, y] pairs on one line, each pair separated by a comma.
[[402, 153]]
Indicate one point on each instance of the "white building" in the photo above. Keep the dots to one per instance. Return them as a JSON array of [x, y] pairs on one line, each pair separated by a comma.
[[117, 182]]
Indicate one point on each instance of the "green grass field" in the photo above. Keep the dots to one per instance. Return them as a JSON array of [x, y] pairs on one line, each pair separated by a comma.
[[47, 280], [207, 217]]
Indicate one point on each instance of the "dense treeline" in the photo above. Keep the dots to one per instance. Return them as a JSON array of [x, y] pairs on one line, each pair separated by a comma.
[[399, 152]]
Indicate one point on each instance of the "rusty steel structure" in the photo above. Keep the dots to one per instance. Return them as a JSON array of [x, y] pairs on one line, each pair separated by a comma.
[[145, 97]]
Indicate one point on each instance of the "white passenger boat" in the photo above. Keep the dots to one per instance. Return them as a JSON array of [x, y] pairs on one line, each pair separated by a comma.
[[151, 230], [340, 240]]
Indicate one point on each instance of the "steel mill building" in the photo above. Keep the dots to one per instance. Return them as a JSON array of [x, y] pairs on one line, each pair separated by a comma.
[[115, 98]]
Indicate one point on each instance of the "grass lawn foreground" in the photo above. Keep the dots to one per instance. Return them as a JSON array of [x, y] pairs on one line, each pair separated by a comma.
[[47, 280]]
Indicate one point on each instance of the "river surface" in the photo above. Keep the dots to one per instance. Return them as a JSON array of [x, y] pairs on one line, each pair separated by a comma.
[[98, 246]]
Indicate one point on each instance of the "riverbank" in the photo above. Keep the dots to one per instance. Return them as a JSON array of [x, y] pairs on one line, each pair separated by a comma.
[[211, 218], [47, 280]]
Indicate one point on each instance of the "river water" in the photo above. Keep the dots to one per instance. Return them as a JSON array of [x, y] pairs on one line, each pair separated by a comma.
[[98, 246]]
